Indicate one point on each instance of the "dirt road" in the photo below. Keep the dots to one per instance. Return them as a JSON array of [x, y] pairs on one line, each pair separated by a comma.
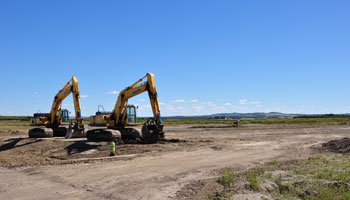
[[157, 171]]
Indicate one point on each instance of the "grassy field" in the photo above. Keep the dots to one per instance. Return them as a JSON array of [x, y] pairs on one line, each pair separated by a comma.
[[323, 176], [303, 121], [332, 120]]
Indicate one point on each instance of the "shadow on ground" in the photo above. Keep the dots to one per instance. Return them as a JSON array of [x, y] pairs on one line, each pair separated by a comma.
[[12, 143], [80, 146]]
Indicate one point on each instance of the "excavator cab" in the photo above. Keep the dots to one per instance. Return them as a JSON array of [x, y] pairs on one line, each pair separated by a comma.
[[64, 116], [131, 114]]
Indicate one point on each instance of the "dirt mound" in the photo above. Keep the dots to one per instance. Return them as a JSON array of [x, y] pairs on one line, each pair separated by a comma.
[[338, 146], [16, 152]]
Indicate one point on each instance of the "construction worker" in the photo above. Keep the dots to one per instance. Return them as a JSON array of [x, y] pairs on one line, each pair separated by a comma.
[[112, 148]]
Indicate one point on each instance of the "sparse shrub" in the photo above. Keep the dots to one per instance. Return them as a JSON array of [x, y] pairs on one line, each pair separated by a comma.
[[227, 178], [254, 182], [274, 162], [217, 196], [260, 171], [282, 188]]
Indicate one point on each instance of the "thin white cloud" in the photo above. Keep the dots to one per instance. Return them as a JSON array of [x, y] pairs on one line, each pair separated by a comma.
[[84, 96], [208, 103], [179, 101], [243, 101], [227, 104], [37, 94], [142, 99], [198, 108], [145, 107], [112, 92], [194, 101]]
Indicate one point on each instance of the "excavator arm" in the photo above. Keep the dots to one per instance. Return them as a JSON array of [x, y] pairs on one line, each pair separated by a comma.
[[70, 87]]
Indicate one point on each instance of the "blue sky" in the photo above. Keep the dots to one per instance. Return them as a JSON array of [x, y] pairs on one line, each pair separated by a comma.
[[207, 56]]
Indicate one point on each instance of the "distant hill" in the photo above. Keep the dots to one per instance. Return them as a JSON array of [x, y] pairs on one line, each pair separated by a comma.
[[238, 116], [254, 115]]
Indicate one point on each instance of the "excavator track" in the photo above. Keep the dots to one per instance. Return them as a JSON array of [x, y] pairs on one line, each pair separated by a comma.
[[150, 133], [40, 133], [130, 135], [103, 135], [60, 131]]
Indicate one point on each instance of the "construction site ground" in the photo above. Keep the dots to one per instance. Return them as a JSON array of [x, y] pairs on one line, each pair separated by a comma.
[[175, 168]]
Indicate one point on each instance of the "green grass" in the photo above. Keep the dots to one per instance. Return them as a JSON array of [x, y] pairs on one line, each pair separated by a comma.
[[14, 125], [228, 177], [303, 121], [18, 118], [274, 162], [285, 121], [324, 177], [254, 181], [217, 196]]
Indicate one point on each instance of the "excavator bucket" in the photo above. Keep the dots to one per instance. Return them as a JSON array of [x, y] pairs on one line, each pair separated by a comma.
[[152, 132], [74, 131]]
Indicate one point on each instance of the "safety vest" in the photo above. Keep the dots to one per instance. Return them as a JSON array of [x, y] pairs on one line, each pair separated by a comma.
[[112, 147]]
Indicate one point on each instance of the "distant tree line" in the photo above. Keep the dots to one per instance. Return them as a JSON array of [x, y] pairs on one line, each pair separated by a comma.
[[322, 116], [18, 118]]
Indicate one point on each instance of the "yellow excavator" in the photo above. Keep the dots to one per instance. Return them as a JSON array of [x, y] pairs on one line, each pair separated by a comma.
[[53, 120], [117, 121]]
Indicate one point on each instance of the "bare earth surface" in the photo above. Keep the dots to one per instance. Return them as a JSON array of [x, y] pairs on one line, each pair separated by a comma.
[[77, 169]]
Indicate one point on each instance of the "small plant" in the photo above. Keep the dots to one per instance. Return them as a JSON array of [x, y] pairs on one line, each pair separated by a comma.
[[274, 162], [283, 189], [254, 182], [301, 171], [227, 178], [260, 171], [217, 196]]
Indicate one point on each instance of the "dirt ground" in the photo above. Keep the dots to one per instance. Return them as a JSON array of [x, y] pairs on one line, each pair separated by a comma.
[[175, 168]]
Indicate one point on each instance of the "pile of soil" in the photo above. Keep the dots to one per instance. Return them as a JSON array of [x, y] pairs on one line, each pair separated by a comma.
[[338, 146], [19, 151]]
